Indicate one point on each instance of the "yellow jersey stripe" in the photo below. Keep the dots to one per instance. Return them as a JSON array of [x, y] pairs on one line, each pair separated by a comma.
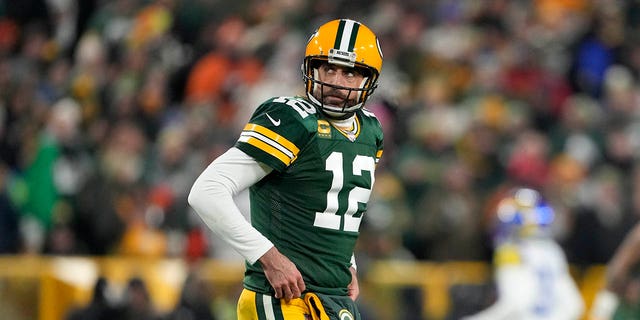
[[273, 136], [267, 148], [250, 134]]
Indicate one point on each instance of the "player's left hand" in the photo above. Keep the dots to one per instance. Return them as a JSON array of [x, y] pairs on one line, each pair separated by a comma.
[[353, 289]]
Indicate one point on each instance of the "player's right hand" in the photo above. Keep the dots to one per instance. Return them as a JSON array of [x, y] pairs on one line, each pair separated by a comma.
[[282, 274]]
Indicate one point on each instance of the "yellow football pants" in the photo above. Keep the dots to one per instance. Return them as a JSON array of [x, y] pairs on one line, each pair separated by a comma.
[[256, 306]]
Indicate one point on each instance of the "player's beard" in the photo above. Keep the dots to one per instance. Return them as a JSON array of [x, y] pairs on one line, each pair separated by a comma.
[[336, 98]]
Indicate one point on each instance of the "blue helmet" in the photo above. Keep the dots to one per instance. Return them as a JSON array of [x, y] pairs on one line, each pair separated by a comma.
[[523, 213]]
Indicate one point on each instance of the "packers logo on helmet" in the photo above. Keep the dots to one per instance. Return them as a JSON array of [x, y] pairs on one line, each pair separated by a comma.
[[344, 314], [346, 43]]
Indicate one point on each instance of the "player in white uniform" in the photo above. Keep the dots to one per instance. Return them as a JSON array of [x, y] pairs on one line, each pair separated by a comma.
[[531, 270]]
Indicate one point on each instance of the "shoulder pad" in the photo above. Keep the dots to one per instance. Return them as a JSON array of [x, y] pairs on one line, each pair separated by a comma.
[[507, 254], [368, 113]]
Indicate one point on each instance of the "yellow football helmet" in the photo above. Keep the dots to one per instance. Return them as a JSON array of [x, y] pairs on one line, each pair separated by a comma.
[[346, 43]]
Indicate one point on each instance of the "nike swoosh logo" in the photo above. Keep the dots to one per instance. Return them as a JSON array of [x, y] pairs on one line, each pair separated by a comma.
[[275, 123]]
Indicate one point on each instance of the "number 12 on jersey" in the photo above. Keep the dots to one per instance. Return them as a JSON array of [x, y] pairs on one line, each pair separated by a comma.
[[329, 218]]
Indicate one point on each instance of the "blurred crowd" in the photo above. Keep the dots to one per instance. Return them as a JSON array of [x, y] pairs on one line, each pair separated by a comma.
[[134, 302], [110, 109]]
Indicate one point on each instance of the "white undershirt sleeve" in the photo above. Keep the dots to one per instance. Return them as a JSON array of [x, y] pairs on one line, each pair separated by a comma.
[[211, 196]]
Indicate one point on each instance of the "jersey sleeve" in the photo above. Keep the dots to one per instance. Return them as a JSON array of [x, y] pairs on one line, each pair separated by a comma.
[[379, 135], [274, 135]]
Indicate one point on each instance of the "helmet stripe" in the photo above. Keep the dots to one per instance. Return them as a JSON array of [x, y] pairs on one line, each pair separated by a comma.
[[346, 35], [354, 34], [339, 32]]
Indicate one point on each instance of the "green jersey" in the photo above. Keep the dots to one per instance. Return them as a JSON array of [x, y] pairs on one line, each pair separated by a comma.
[[311, 204]]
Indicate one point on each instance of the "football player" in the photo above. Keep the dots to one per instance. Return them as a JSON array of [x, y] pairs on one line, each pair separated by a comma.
[[532, 274], [309, 163]]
